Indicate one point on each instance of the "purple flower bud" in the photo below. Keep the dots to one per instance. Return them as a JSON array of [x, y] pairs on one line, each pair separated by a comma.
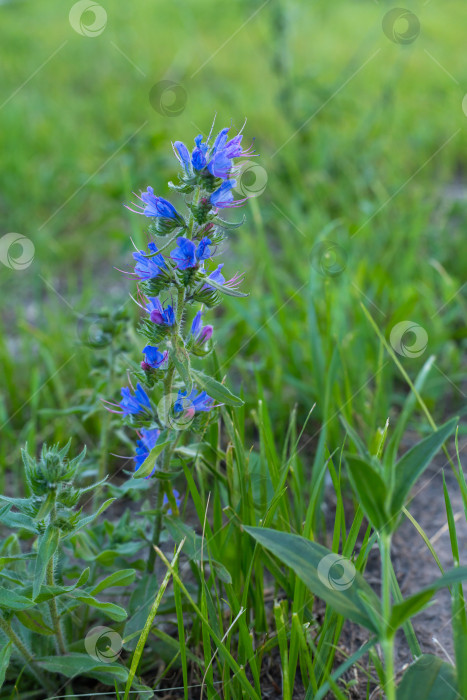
[[206, 334]]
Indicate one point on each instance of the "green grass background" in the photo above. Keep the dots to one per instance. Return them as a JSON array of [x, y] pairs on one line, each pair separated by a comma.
[[376, 165]]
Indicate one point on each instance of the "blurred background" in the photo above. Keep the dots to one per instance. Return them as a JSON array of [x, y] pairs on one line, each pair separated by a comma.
[[359, 196]]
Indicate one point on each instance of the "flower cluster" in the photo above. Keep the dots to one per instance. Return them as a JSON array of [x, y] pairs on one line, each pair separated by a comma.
[[168, 395]]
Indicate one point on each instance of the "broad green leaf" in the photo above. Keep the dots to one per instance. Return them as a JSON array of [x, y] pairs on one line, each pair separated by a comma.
[[409, 607], [119, 578], [429, 678], [18, 520], [115, 612], [5, 654], [48, 543], [34, 621], [370, 490], [4, 560], [82, 522], [9, 600], [390, 453], [150, 461], [216, 390], [74, 664], [48, 592], [327, 574], [414, 462]]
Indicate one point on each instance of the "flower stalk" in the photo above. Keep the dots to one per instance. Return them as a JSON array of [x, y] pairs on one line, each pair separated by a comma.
[[170, 399], [387, 642]]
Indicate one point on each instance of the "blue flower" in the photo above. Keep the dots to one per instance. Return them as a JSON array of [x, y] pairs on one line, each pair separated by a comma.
[[158, 314], [220, 141], [200, 333], [187, 255], [219, 278], [158, 206], [183, 155], [153, 357], [193, 402], [220, 165], [144, 446], [222, 198], [131, 405], [148, 268], [166, 501], [218, 158], [198, 159]]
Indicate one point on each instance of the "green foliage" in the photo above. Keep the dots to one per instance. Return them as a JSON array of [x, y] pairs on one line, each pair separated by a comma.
[[383, 183]]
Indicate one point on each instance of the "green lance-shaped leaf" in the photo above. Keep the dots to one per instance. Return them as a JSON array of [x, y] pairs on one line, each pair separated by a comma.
[[414, 462], [9, 600], [429, 678], [83, 522], [34, 621], [328, 575], [48, 543], [412, 605], [150, 461], [119, 578], [5, 654], [115, 612], [216, 390], [75, 664], [370, 490]]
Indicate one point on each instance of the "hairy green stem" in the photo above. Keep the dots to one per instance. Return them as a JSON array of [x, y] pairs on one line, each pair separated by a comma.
[[24, 651], [387, 643], [167, 387], [54, 610], [104, 438]]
